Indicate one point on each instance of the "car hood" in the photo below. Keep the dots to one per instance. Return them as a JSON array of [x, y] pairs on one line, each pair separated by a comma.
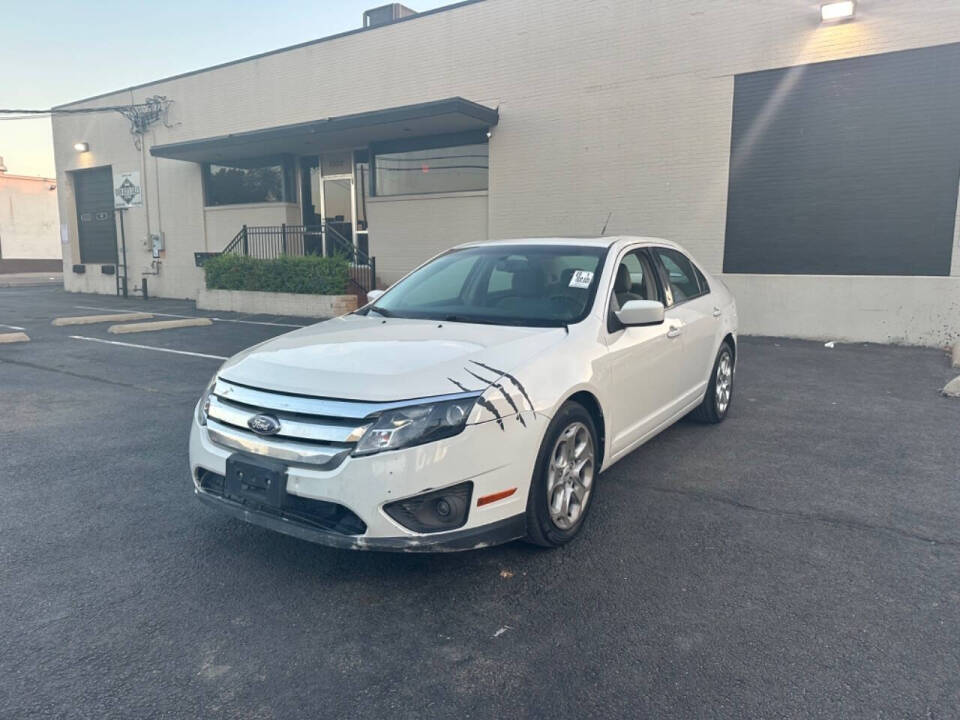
[[359, 357]]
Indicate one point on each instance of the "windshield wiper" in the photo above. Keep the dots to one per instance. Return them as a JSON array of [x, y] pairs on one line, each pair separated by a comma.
[[476, 320], [510, 322], [379, 311]]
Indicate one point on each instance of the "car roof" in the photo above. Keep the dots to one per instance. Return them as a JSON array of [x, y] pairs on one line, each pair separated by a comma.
[[587, 241]]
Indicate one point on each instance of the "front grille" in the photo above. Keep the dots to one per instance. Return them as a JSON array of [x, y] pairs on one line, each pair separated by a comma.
[[311, 430], [320, 432], [306, 511]]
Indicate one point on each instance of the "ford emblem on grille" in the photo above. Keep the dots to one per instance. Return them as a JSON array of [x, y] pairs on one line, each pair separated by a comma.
[[264, 424]]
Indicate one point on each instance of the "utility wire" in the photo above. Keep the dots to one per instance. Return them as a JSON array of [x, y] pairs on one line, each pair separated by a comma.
[[64, 111]]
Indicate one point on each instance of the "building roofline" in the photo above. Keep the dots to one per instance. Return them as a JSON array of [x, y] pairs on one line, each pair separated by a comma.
[[38, 178], [267, 53]]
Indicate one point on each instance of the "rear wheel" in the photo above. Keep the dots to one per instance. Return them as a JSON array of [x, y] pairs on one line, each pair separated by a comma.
[[563, 482], [716, 403]]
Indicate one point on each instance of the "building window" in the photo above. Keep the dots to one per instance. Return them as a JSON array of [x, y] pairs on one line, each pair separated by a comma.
[[431, 165], [260, 180]]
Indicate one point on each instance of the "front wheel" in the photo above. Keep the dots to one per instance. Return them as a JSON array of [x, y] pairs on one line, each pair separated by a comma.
[[716, 403], [564, 478]]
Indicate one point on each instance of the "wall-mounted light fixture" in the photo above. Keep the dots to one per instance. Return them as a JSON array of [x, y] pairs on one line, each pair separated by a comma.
[[81, 147], [834, 11]]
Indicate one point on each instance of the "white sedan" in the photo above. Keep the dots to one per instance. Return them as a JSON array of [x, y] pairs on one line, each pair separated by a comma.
[[474, 402]]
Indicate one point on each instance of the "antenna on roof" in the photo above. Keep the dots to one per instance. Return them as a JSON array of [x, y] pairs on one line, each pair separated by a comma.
[[605, 222]]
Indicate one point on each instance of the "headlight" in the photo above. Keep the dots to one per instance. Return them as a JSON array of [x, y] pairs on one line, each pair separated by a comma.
[[203, 407], [415, 425]]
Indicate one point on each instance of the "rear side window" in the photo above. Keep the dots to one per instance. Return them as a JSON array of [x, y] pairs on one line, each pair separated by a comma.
[[681, 276], [704, 285]]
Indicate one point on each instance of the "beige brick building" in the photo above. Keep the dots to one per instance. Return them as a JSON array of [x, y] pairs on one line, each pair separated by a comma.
[[807, 161]]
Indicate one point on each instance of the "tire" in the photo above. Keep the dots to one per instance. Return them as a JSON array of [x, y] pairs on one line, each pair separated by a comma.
[[716, 405], [558, 504]]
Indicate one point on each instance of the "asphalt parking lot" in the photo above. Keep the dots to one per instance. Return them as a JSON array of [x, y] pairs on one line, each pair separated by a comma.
[[801, 559]]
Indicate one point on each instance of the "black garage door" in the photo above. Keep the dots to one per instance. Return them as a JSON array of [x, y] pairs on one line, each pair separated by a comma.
[[846, 167], [95, 216]]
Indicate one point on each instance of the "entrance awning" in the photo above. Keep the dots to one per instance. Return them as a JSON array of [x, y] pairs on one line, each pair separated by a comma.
[[438, 117]]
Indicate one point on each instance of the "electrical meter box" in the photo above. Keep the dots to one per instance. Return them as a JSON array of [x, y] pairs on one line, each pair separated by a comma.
[[156, 244]]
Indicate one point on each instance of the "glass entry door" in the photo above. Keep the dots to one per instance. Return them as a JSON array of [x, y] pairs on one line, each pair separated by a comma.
[[329, 199], [337, 208]]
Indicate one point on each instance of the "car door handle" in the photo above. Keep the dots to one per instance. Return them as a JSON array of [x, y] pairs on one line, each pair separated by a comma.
[[717, 312], [673, 332]]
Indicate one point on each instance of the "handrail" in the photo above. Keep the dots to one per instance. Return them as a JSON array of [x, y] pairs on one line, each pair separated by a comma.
[[272, 241], [237, 239]]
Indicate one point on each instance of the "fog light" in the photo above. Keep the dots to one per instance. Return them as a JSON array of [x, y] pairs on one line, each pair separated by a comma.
[[433, 511]]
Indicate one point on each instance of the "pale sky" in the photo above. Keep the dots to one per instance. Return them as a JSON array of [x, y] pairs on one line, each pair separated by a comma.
[[56, 51]]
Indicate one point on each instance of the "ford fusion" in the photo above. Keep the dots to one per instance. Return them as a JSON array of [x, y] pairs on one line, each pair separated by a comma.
[[474, 402]]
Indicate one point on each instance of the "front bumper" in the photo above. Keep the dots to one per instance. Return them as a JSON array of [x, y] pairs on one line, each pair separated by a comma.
[[495, 533], [494, 459]]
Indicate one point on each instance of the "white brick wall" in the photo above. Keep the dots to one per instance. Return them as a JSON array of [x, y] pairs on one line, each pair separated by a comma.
[[607, 106], [399, 241]]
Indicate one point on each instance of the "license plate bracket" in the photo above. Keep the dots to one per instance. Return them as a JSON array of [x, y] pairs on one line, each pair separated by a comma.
[[261, 482]]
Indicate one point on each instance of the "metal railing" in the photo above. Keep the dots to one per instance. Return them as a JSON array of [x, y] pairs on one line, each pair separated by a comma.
[[266, 242]]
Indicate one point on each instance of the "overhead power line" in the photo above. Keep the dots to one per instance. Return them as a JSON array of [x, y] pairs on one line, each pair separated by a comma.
[[141, 115]]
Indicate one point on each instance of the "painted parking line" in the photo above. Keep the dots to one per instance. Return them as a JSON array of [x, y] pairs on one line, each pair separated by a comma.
[[159, 325], [12, 327], [216, 319], [14, 337], [93, 319], [148, 347]]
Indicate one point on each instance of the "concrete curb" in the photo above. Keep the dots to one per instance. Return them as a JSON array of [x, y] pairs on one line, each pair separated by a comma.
[[160, 325], [91, 319], [15, 337], [952, 388]]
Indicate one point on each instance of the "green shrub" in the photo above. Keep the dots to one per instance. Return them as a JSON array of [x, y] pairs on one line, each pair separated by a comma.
[[312, 274]]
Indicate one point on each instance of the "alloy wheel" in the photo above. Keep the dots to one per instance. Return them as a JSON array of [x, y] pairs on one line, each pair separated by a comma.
[[570, 475], [724, 382]]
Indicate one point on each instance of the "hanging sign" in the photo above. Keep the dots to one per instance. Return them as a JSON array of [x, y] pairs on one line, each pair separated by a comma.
[[127, 192]]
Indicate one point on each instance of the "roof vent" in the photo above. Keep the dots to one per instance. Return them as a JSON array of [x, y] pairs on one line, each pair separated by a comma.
[[386, 14], [3, 168]]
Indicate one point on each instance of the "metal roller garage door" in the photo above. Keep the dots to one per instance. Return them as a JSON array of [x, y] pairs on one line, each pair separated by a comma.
[[96, 224]]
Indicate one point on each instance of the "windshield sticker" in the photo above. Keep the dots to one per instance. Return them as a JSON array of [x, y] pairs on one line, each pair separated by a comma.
[[581, 279]]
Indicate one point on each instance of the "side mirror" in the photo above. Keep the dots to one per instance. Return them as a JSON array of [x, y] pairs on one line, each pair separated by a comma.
[[640, 312], [373, 295]]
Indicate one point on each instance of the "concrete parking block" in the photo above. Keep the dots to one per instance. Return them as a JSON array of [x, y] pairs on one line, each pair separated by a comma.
[[159, 325], [956, 355], [91, 319], [952, 388], [14, 337]]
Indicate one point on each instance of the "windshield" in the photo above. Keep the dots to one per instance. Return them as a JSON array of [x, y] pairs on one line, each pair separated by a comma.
[[545, 285]]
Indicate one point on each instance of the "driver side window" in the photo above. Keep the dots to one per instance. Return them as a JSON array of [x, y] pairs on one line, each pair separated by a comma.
[[634, 280]]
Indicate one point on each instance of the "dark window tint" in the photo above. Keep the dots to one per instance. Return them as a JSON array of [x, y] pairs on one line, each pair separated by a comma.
[[680, 275], [432, 170], [249, 181]]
